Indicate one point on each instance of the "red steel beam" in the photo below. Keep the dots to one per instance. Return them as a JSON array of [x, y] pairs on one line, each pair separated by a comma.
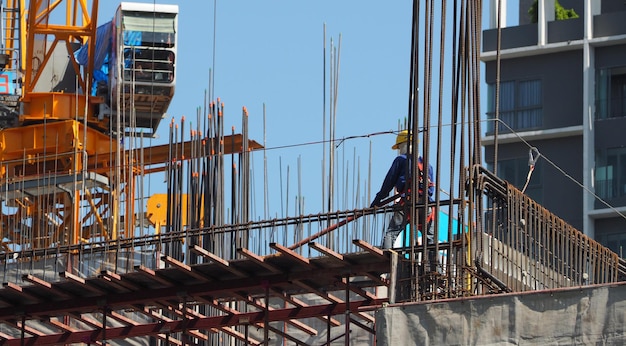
[[197, 323]]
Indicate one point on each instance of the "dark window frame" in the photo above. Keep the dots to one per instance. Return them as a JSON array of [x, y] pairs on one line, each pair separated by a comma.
[[516, 113], [610, 93], [610, 183]]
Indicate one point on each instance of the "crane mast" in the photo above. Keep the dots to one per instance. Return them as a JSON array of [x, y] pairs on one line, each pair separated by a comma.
[[65, 176]]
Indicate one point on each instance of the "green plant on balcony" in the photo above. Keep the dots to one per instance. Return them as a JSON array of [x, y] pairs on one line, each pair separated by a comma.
[[560, 12]]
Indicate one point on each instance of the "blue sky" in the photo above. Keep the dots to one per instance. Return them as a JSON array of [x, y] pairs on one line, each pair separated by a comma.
[[271, 52]]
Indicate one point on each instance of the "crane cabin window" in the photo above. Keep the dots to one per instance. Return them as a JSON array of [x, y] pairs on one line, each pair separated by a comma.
[[149, 29]]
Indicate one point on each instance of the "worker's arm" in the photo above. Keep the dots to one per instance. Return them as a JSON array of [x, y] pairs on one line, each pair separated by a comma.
[[395, 171], [431, 183]]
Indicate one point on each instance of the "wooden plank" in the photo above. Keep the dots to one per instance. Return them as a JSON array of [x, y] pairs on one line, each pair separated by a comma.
[[218, 260], [152, 275], [45, 284], [290, 253], [114, 284], [20, 290], [326, 251], [369, 248], [118, 279], [258, 260], [393, 277], [184, 268], [71, 277]]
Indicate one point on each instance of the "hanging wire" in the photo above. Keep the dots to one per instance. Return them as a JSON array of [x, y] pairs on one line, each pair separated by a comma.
[[561, 170], [533, 156]]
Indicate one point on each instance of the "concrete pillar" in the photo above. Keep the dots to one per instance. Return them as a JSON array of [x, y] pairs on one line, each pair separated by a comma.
[[493, 14], [589, 72], [545, 14]]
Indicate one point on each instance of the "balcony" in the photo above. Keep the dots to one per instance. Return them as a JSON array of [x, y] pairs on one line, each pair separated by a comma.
[[609, 24], [558, 31], [512, 37]]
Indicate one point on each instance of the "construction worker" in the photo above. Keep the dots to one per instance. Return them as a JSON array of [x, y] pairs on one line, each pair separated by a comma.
[[396, 178]]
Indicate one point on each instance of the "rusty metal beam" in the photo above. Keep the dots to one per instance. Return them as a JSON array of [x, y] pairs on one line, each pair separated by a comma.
[[238, 335], [121, 299], [259, 325], [298, 303], [160, 154], [86, 320], [262, 306], [55, 322], [28, 329], [331, 298], [363, 293], [121, 318], [362, 326], [200, 323]]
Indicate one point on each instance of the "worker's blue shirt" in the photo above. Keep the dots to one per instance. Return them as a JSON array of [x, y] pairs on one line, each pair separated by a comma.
[[396, 178]]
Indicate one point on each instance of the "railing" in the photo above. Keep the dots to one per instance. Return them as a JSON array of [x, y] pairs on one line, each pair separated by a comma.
[[526, 247], [333, 230]]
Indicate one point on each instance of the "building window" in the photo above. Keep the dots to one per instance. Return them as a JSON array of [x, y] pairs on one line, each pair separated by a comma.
[[615, 242], [611, 93], [515, 171], [521, 105], [610, 181]]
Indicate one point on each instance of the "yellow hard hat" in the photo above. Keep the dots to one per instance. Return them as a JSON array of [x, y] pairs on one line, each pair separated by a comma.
[[403, 136]]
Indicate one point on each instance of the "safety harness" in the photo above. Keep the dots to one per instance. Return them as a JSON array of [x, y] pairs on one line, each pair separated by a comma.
[[431, 210]]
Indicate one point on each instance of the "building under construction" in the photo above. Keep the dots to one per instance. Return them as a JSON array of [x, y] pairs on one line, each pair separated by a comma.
[[89, 258]]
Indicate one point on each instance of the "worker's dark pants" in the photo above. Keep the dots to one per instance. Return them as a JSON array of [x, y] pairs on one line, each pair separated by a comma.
[[397, 224]]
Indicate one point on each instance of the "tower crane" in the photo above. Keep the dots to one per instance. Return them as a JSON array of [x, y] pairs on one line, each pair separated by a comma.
[[70, 93]]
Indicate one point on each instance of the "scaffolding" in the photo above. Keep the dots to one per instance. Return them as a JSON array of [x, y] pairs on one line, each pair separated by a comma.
[[85, 260]]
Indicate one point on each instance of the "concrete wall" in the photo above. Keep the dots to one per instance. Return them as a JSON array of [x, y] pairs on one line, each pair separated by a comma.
[[591, 315]]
